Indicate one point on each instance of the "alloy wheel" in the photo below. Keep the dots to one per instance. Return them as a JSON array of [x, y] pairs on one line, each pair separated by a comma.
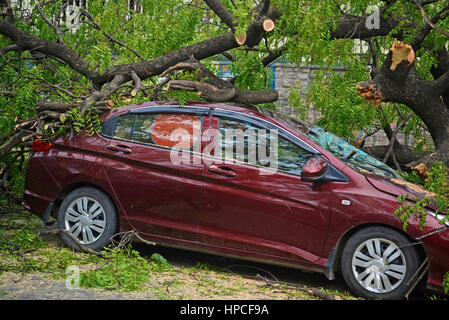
[[85, 219], [379, 265]]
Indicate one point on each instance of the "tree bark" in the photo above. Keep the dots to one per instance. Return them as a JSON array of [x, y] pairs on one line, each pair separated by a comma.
[[212, 88], [398, 81]]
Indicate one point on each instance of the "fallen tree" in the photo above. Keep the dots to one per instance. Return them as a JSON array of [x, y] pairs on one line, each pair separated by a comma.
[[104, 84], [56, 58]]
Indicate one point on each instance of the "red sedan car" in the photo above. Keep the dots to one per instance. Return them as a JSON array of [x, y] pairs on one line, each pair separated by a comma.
[[238, 182]]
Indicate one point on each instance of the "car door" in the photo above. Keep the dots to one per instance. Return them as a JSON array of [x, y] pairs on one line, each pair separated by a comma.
[[155, 170], [258, 204]]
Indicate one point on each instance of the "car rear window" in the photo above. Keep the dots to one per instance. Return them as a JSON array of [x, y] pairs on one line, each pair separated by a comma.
[[171, 130]]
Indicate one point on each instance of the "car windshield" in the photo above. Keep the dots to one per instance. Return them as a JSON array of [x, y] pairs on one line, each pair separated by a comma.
[[353, 157]]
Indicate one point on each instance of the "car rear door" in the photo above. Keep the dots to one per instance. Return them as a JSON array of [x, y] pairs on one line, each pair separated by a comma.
[[259, 203], [155, 170]]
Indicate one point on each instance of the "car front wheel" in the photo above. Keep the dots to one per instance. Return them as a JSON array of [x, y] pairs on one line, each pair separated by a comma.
[[89, 216], [378, 263]]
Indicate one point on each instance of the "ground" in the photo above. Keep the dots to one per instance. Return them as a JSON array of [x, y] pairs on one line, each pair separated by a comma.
[[34, 266]]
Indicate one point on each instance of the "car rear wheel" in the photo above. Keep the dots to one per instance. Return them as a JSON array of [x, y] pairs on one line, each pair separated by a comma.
[[89, 216], [378, 262]]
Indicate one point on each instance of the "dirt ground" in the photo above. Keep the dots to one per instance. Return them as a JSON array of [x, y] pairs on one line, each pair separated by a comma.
[[193, 276]]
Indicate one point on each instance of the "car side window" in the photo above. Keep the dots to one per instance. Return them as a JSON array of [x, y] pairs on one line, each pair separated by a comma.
[[291, 158], [170, 130], [245, 142], [124, 127]]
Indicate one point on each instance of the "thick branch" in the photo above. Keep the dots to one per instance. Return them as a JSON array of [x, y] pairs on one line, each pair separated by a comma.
[[109, 88], [356, 27], [142, 69], [205, 90], [28, 42], [222, 12], [12, 142], [212, 88]]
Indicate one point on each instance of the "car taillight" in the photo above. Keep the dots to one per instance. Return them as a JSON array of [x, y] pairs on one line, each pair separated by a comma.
[[41, 145]]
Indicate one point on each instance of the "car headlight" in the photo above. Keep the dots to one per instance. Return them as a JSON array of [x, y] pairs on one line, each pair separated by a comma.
[[442, 218]]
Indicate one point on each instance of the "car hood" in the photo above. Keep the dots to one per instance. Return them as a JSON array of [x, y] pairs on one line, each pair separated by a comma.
[[396, 187]]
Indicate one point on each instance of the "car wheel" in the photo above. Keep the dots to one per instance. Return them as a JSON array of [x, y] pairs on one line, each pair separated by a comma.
[[89, 216], [378, 262]]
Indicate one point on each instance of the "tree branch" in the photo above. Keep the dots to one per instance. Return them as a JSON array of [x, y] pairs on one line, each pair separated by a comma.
[[109, 88], [222, 12], [212, 88], [58, 33], [28, 42], [109, 36], [355, 27], [437, 17], [12, 47]]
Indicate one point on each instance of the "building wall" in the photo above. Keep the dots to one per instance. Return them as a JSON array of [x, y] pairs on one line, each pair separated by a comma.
[[289, 76]]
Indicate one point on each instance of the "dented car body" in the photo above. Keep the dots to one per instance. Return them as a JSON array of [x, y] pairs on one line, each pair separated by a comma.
[[238, 182]]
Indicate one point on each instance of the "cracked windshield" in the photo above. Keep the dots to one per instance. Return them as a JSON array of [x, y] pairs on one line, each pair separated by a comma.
[[355, 158]]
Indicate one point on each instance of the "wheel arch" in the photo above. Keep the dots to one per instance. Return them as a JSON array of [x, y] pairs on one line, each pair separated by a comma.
[[333, 262], [76, 185]]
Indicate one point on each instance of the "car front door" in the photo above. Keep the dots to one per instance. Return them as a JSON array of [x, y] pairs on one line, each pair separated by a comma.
[[258, 203], [156, 172]]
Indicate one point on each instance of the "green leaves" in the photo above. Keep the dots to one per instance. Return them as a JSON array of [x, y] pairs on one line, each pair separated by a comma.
[[88, 121], [124, 269], [100, 57], [446, 283], [438, 183]]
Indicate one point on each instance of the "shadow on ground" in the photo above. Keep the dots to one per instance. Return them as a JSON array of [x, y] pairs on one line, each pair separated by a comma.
[[185, 258]]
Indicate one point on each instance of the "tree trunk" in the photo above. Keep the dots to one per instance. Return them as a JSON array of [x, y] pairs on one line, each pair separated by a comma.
[[398, 81]]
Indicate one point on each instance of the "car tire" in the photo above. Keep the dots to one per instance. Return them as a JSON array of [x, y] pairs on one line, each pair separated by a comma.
[[378, 262], [89, 216]]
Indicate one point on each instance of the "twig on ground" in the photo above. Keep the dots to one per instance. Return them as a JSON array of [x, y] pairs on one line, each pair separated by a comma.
[[77, 243]]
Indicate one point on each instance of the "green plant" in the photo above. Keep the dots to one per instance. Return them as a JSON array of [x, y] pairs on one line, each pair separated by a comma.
[[88, 121], [124, 269], [446, 283], [437, 183]]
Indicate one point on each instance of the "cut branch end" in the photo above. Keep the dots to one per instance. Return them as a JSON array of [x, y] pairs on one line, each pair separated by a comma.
[[268, 25], [401, 52], [371, 93], [240, 39]]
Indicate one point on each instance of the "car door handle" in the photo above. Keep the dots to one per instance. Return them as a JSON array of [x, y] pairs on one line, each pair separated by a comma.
[[224, 171], [119, 148]]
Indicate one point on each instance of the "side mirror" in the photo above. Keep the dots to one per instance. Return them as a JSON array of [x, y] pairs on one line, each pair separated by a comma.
[[314, 170]]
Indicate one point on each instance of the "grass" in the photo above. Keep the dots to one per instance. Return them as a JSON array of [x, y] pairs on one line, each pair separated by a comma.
[[24, 250]]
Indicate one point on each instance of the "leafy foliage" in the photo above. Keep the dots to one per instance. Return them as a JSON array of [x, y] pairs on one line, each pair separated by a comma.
[[88, 121], [438, 183], [124, 269]]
